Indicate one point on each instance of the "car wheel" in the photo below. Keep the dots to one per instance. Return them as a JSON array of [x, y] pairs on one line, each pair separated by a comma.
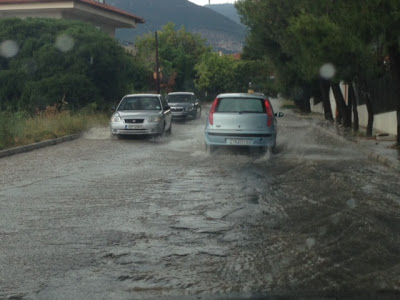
[[198, 114], [273, 149], [169, 131], [209, 149], [162, 132]]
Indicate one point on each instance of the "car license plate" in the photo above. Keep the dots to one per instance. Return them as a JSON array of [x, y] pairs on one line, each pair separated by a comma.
[[133, 126], [239, 142]]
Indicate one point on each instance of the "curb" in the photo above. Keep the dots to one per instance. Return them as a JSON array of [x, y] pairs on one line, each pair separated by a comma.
[[35, 146], [388, 162], [391, 163]]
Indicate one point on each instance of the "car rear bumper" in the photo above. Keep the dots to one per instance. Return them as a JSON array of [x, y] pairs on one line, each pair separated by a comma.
[[253, 139]]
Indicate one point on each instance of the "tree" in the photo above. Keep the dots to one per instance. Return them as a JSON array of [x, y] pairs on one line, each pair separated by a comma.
[[267, 22], [216, 74], [60, 59], [179, 51], [302, 35]]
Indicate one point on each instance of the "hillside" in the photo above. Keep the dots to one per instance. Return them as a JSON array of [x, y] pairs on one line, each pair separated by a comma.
[[221, 32], [228, 10]]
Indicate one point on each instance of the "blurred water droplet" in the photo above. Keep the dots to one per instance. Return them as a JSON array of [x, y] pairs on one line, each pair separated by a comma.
[[8, 49], [335, 219], [323, 230], [351, 203], [310, 242], [327, 71], [64, 43]]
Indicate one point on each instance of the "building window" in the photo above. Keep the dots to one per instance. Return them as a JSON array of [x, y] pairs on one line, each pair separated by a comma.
[[100, 1]]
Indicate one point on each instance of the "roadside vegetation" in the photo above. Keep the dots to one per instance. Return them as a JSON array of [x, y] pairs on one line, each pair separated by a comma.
[[300, 49], [19, 128], [313, 46], [59, 77]]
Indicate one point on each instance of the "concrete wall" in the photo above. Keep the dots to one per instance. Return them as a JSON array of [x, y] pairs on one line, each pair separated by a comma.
[[385, 122]]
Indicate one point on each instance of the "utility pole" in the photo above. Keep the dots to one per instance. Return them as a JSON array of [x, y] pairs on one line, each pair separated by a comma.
[[158, 67]]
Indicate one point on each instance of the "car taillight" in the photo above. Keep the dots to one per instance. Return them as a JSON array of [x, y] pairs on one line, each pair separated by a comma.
[[268, 109], [212, 111]]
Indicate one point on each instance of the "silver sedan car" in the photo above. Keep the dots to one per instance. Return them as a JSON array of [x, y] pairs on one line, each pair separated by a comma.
[[141, 114], [244, 120], [184, 105]]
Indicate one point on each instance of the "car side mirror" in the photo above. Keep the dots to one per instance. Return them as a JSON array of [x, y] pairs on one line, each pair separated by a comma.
[[167, 107], [280, 114], [113, 108]]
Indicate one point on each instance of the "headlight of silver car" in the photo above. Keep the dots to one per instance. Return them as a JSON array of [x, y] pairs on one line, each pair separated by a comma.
[[154, 119], [116, 119]]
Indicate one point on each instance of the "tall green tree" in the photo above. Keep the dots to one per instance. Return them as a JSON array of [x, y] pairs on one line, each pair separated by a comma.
[[44, 61], [359, 38], [179, 52], [217, 74]]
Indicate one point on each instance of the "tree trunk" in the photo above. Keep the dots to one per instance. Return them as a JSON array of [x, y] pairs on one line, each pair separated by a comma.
[[394, 56], [353, 100], [398, 127], [306, 99], [341, 104], [324, 88], [370, 110]]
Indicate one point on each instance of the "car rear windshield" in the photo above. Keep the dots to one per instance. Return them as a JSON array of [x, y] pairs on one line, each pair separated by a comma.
[[140, 103], [248, 105], [179, 98]]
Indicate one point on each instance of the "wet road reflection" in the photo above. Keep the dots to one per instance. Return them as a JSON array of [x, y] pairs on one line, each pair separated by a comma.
[[137, 218]]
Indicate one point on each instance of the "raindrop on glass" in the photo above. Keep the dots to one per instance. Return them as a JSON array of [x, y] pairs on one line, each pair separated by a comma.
[[327, 71], [64, 43], [310, 242], [351, 203], [8, 49]]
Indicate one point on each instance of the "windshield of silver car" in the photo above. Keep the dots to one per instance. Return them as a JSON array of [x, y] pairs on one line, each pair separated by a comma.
[[140, 103]]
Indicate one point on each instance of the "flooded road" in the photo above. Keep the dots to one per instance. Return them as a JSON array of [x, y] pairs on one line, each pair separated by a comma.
[[100, 218]]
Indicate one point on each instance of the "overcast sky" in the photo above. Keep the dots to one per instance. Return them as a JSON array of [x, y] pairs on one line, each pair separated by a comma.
[[204, 2]]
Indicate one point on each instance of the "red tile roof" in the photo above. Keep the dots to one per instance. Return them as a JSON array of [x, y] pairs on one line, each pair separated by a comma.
[[87, 2]]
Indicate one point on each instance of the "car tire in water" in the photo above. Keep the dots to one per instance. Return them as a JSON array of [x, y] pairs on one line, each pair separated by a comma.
[[209, 149], [162, 132], [169, 131], [198, 113]]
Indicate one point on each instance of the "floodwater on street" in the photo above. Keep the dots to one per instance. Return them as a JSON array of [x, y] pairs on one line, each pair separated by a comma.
[[137, 218]]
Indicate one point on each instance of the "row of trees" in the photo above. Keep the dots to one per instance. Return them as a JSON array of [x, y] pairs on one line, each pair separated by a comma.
[[314, 45], [188, 64], [46, 62]]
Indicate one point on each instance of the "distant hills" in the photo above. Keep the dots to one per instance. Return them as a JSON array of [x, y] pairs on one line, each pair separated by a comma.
[[228, 10], [221, 32]]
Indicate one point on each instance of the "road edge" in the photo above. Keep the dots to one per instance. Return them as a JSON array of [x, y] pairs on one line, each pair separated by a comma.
[[39, 145], [372, 155]]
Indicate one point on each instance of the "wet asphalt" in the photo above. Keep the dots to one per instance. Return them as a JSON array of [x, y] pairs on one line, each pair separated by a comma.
[[101, 218]]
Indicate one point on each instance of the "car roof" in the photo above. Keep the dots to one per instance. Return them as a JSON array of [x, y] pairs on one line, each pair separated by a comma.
[[241, 95], [181, 93], [142, 95]]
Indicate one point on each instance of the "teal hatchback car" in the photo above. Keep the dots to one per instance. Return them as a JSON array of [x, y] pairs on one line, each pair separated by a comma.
[[242, 120]]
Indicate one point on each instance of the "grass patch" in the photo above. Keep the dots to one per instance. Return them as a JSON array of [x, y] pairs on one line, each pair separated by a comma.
[[18, 129]]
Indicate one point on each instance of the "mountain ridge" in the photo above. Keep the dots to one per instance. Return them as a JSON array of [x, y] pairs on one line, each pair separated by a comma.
[[222, 33], [226, 9]]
